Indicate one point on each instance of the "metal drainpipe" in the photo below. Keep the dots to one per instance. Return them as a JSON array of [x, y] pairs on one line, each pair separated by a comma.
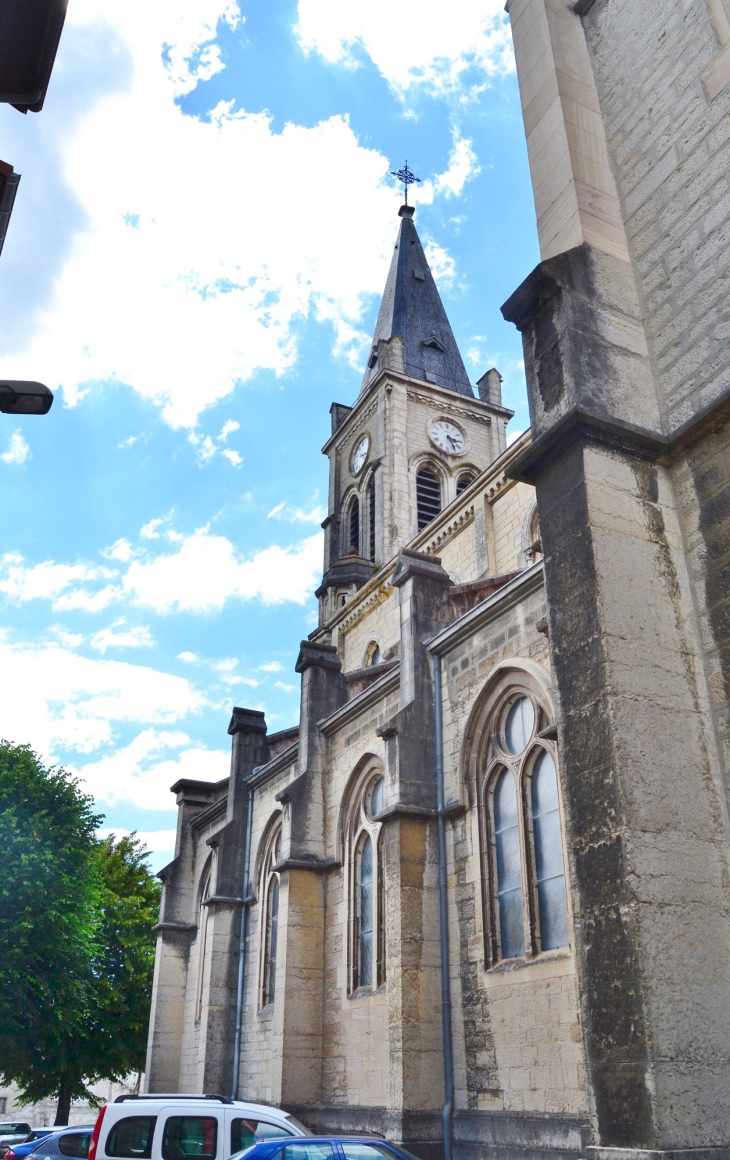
[[242, 948], [448, 1053]]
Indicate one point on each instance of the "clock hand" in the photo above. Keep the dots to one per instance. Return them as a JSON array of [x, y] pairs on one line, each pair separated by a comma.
[[451, 441]]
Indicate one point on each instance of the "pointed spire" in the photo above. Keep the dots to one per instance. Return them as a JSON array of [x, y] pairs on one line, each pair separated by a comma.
[[412, 310]]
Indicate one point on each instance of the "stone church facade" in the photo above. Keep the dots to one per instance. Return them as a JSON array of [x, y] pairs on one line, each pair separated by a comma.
[[479, 899]]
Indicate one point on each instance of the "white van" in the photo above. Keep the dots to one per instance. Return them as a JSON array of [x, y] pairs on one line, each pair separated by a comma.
[[184, 1127]]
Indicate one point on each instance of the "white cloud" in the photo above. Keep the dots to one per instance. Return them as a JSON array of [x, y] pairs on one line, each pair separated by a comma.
[[142, 774], [452, 53], [271, 667], [233, 457], [229, 427], [156, 841], [112, 637], [443, 266], [463, 164], [201, 298], [187, 657], [149, 531], [206, 572], [313, 515], [285, 688], [201, 575], [119, 550], [58, 698], [18, 451]]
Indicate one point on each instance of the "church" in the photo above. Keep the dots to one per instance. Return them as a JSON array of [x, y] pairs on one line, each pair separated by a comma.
[[478, 900]]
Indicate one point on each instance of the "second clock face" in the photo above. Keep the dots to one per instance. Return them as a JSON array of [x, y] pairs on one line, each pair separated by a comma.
[[360, 454], [447, 436]]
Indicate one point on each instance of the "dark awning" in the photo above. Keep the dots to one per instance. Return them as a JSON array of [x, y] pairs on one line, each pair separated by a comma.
[[29, 34]]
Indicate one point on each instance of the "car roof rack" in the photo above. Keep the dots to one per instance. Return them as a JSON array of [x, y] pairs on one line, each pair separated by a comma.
[[172, 1096]]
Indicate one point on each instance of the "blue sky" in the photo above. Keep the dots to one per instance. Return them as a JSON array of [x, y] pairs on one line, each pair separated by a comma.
[[194, 263]]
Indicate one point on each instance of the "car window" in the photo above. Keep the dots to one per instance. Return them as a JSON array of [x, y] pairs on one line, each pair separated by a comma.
[[190, 1136], [365, 1152], [46, 1147], [302, 1151], [244, 1133], [15, 1129], [74, 1144], [132, 1137]]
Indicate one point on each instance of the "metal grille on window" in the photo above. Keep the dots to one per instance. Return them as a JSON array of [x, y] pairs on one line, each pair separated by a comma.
[[549, 871], [509, 867], [428, 496], [354, 526], [371, 519]]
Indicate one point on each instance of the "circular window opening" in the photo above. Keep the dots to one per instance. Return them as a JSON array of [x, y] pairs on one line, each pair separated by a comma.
[[518, 725], [377, 797]]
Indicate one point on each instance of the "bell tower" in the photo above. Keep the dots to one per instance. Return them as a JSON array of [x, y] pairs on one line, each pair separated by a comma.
[[416, 436]]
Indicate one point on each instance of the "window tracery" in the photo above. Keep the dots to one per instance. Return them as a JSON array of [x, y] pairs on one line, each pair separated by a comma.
[[366, 863], [526, 909]]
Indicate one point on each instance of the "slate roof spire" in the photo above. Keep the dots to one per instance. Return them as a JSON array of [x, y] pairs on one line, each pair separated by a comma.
[[412, 309]]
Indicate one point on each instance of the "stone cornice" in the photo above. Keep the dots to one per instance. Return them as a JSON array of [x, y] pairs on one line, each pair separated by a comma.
[[263, 773]]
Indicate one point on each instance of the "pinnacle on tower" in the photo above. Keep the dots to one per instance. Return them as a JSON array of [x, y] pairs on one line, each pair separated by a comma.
[[412, 310]]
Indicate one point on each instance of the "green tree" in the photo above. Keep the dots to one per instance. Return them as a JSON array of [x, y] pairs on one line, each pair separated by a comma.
[[75, 927]]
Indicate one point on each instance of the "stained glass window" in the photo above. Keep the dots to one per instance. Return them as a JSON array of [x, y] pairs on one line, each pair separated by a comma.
[[549, 871], [365, 972], [509, 866], [272, 931]]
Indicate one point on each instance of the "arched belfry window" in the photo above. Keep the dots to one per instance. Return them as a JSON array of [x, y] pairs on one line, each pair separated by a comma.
[[364, 844], [428, 495], [269, 887], [464, 480], [526, 910], [371, 518], [353, 526]]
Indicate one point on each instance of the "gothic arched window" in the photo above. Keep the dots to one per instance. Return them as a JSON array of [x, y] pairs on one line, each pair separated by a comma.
[[526, 911], [367, 886], [428, 495], [466, 478], [371, 518], [269, 894], [353, 526], [203, 895]]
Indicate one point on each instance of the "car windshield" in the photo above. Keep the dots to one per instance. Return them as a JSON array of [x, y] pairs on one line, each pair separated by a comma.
[[13, 1129]]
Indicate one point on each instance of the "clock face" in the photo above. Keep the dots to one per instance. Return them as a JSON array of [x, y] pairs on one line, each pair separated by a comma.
[[360, 454], [447, 436]]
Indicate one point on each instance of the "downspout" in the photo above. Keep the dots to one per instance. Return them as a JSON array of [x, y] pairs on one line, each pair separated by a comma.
[[242, 948], [448, 1052]]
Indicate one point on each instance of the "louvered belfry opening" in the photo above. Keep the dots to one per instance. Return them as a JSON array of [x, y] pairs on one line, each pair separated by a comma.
[[354, 526], [371, 519], [428, 496], [464, 480]]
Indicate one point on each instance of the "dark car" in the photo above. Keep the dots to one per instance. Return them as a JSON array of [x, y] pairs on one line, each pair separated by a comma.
[[73, 1142], [325, 1148], [30, 1142]]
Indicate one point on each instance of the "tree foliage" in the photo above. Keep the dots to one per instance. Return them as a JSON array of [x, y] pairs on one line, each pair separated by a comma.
[[75, 930]]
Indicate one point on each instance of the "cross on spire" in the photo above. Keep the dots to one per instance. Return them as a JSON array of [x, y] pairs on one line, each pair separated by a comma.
[[406, 177]]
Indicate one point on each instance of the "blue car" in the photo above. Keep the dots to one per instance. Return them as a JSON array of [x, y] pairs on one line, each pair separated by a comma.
[[72, 1142], [31, 1142], [325, 1148]]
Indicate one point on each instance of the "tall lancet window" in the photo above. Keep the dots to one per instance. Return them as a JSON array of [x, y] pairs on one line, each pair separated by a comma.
[[371, 518], [270, 916], [367, 884], [353, 526], [526, 907], [428, 496], [204, 895]]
